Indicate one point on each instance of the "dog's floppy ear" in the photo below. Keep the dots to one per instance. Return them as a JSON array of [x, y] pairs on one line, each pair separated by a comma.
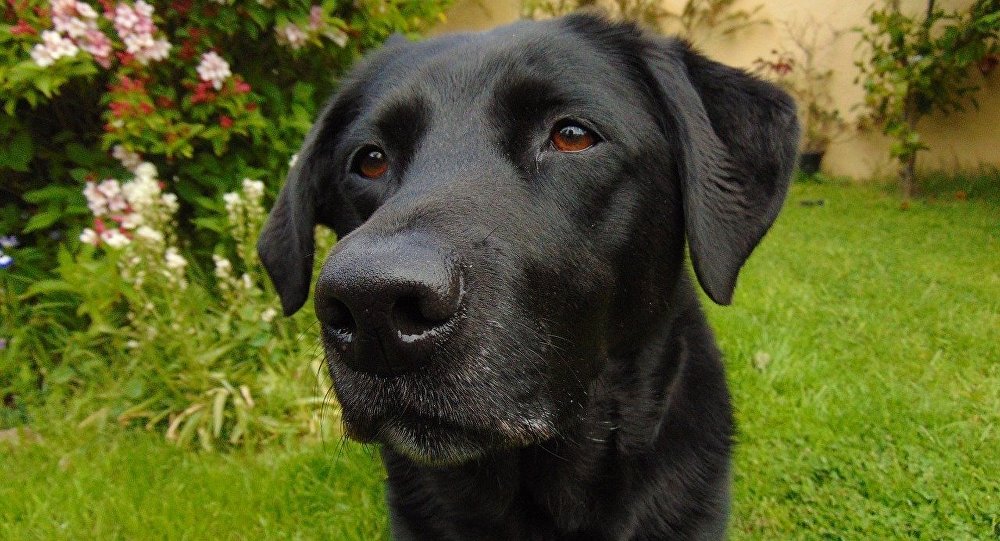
[[286, 243], [737, 137]]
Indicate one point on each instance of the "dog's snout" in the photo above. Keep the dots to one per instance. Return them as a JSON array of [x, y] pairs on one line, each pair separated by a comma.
[[384, 304]]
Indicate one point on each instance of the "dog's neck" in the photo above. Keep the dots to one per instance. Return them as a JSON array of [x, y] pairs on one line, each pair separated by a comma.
[[618, 447]]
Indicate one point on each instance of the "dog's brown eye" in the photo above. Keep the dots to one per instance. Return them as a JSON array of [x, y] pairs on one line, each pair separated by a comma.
[[572, 138], [371, 163]]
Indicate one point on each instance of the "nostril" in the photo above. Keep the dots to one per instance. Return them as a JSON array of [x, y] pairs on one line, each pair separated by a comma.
[[337, 316], [414, 315]]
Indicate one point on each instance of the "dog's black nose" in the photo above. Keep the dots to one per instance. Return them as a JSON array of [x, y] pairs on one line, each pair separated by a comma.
[[385, 303]]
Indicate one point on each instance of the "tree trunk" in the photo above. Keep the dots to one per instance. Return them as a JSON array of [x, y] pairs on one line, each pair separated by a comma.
[[907, 177], [908, 163], [911, 114]]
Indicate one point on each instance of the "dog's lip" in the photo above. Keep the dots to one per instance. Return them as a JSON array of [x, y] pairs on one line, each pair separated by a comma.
[[439, 439], [367, 431]]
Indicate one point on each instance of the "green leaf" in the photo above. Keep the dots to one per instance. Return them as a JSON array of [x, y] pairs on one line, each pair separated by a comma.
[[48, 194], [16, 154], [218, 411], [184, 438], [43, 219], [81, 155], [134, 388], [42, 287], [212, 224], [61, 374]]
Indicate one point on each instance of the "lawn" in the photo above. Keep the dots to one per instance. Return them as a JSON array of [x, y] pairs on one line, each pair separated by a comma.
[[863, 348]]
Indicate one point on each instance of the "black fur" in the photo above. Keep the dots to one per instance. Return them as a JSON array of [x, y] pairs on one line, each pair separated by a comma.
[[576, 391]]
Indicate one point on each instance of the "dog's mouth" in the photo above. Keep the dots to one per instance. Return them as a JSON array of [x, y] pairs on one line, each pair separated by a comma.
[[441, 441], [442, 417]]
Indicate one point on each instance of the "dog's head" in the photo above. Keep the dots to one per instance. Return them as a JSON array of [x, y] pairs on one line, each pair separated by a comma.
[[512, 208]]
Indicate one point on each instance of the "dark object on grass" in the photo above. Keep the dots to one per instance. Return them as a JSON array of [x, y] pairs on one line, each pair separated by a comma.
[[508, 310], [809, 162], [812, 202]]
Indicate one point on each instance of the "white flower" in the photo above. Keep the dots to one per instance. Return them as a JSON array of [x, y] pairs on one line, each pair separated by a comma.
[[247, 281], [141, 192], [232, 200], [137, 43], [174, 260], [110, 188], [130, 160], [71, 26], [131, 220], [53, 47], [293, 160], [148, 233], [145, 170], [159, 50], [294, 35], [170, 202], [114, 198], [89, 236], [132, 344], [213, 69], [268, 315], [338, 37], [85, 10], [223, 268], [96, 202], [253, 189], [114, 238], [143, 9]]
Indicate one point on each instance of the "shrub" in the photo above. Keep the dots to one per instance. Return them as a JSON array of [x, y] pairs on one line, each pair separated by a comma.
[[164, 346], [211, 92], [913, 65], [135, 130]]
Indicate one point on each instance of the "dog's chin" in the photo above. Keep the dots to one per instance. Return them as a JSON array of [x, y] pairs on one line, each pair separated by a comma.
[[439, 443]]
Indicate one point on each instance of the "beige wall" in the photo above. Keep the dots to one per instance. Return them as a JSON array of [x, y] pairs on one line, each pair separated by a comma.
[[957, 141]]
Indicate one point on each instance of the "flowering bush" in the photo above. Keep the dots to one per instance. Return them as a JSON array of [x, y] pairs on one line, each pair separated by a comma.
[[129, 135], [202, 358], [182, 85]]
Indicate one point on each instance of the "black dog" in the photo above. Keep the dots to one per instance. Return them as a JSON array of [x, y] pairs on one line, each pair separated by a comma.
[[507, 309]]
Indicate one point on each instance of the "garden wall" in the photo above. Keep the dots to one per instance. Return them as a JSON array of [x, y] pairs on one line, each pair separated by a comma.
[[961, 140]]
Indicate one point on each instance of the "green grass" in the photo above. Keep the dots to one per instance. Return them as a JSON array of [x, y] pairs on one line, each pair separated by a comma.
[[121, 485], [873, 410], [863, 348]]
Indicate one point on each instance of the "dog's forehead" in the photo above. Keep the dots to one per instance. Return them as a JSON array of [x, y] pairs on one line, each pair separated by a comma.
[[473, 67]]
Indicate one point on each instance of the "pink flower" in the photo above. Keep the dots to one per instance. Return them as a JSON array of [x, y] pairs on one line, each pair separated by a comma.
[[98, 45], [225, 121], [213, 69], [293, 35], [315, 17], [136, 28], [125, 19], [65, 8], [96, 202], [71, 26]]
